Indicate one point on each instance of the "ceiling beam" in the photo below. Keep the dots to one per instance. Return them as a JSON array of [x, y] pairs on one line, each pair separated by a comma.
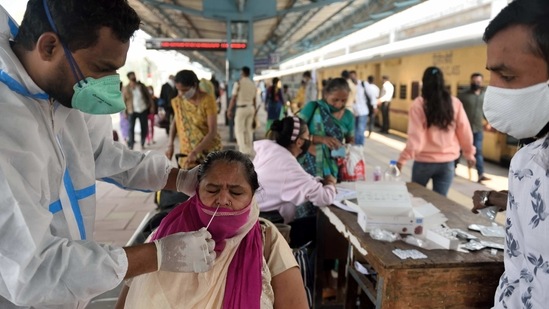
[[243, 15], [164, 16], [241, 4], [273, 38]]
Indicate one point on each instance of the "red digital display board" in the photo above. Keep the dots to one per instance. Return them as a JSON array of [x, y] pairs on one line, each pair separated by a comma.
[[193, 45]]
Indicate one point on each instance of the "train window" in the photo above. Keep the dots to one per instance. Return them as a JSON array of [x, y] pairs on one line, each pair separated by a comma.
[[415, 90], [403, 89]]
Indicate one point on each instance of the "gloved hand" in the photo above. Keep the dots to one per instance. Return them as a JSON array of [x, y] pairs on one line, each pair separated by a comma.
[[186, 252], [187, 180]]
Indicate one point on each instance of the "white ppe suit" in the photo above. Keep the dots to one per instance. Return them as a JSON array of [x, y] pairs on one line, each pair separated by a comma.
[[50, 158]]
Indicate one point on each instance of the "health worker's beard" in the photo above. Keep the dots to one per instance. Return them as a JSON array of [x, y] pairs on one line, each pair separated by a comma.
[[60, 87]]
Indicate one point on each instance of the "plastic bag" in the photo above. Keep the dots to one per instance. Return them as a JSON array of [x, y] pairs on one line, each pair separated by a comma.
[[384, 235], [352, 167]]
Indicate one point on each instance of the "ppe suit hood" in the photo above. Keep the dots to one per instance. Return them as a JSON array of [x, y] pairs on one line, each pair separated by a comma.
[[12, 72], [50, 159]]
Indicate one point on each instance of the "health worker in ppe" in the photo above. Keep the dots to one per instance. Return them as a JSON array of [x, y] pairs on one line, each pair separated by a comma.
[[58, 83], [517, 103]]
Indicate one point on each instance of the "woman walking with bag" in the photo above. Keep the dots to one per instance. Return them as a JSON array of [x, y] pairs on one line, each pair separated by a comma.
[[330, 126], [195, 121]]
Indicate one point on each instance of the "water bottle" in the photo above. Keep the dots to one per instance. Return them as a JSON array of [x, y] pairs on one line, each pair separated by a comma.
[[378, 175], [392, 173]]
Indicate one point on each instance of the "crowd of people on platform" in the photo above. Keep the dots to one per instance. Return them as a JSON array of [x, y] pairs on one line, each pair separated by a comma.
[[214, 250]]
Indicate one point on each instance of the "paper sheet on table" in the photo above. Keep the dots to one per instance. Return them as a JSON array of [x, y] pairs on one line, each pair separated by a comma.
[[384, 198], [344, 193], [342, 205]]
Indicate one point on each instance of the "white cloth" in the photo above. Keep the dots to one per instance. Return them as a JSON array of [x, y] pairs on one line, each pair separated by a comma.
[[373, 92], [387, 92], [284, 183], [50, 158], [243, 129], [311, 93], [526, 277], [139, 104], [360, 108]]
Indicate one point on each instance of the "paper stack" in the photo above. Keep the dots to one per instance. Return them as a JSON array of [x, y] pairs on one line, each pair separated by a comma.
[[385, 205], [388, 206]]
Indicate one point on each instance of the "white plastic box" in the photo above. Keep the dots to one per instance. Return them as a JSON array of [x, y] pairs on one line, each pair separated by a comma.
[[407, 223], [396, 224], [384, 198]]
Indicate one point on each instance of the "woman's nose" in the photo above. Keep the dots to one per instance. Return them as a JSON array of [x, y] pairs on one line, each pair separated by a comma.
[[224, 199]]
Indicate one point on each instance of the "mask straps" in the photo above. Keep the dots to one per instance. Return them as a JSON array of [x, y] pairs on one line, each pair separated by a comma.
[[74, 66]]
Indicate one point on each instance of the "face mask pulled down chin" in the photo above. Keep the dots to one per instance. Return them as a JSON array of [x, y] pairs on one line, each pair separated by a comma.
[[334, 109], [98, 96], [520, 113], [190, 93]]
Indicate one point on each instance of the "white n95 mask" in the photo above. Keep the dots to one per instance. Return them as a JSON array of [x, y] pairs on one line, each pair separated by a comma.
[[520, 113]]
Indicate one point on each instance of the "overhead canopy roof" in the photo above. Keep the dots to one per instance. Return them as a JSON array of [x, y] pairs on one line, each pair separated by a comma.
[[295, 27]]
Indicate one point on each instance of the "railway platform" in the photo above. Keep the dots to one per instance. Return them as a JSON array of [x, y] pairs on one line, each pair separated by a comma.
[[120, 212]]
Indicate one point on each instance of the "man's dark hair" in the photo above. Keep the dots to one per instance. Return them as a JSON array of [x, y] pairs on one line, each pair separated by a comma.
[[345, 74], [130, 73], [476, 74], [77, 21], [246, 71], [307, 74], [371, 79], [385, 77], [186, 78], [352, 72], [530, 13]]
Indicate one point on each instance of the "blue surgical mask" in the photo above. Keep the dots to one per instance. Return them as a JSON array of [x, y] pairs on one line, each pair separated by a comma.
[[92, 96]]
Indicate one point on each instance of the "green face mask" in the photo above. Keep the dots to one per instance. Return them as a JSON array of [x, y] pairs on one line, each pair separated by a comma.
[[334, 109], [98, 96], [91, 96]]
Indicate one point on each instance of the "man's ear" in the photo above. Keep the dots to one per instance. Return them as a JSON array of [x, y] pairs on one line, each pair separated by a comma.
[[48, 46]]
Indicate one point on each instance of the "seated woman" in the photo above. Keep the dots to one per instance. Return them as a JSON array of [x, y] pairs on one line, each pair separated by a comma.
[[330, 124], [285, 184], [254, 267]]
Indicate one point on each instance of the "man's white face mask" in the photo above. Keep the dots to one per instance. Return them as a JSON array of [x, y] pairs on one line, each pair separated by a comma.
[[520, 113]]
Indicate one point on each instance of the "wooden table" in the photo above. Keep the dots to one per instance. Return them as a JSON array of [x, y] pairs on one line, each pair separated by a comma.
[[446, 279]]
